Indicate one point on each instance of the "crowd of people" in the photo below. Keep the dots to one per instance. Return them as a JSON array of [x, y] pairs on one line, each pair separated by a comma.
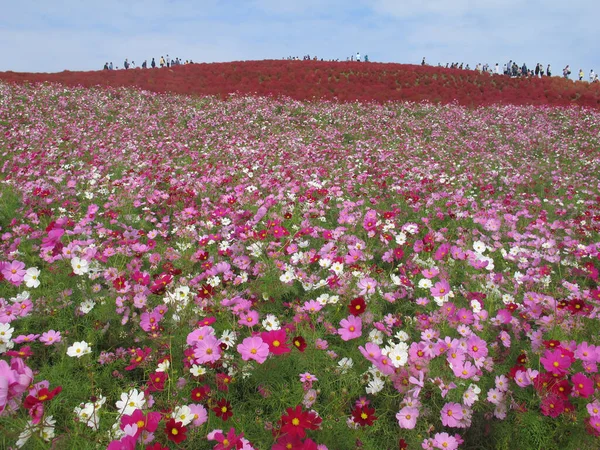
[[162, 62], [352, 57], [511, 68], [515, 70]]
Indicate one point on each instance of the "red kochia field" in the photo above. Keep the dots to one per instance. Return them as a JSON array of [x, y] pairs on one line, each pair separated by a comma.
[[343, 81], [199, 272]]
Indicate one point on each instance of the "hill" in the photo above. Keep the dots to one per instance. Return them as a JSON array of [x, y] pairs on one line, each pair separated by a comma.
[[343, 81]]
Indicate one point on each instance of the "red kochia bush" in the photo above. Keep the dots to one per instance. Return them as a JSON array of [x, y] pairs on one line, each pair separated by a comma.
[[344, 81]]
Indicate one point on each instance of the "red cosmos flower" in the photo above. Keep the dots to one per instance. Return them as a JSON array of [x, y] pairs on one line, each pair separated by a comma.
[[206, 321], [160, 284], [138, 357], [296, 421], [205, 291], [200, 393], [276, 339], [223, 409], [357, 306], [552, 406], [175, 431], [561, 388], [299, 343], [24, 352], [363, 415], [578, 306], [43, 395], [156, 382], [119, 283], [156, 446], [223, 381]]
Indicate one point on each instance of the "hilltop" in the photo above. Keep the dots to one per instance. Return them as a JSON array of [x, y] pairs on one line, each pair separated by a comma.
[[342, 81]]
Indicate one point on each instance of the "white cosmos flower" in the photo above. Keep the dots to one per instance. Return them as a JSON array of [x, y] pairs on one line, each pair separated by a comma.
[[197, 370], [80, 266], [183, 414], [479, 247], [270, 323], [78, 349], [130, 401], [31, 277]]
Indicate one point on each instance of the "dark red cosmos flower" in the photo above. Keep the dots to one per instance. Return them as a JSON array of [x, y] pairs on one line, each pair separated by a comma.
[[299, 343], [200, 393], [296, 421], [205, 291], [175, 431], [223, 409], [223, 381], [43, 395], [119, 283], [357, 306], [156, 382], [363, 415]]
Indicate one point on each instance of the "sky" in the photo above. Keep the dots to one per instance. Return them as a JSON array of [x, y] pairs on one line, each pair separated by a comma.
[[52, 36]]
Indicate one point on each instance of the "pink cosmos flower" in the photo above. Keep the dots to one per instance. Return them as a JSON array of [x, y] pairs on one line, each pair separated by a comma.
[[407, 417], [14, 272], [50, 337], [207, 350], [200, 414], [351, 328], [312, 306], [444, 441], [451, 414], [367, 286], [249, 318], [371, 351], [440, 289], [254, 348]]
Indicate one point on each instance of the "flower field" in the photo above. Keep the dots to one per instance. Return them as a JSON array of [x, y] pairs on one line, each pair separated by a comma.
[[266, 273], [342, 81]]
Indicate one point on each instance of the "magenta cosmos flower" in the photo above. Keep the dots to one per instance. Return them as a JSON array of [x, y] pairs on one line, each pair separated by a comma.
[[254, 348], [351, 328], [583, 385], [556, 362]]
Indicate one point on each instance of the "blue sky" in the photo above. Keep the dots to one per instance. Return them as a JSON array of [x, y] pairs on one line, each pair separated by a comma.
[[51, 36]]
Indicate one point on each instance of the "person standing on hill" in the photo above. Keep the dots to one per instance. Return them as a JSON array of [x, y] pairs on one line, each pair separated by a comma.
[[110, 66], [358, 56], [549, 71], [126, 64], [105, 66], [423, 62], [162, 62], [153, 63], [567, 71], [592, 75], [144, 65], [168, 61]]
